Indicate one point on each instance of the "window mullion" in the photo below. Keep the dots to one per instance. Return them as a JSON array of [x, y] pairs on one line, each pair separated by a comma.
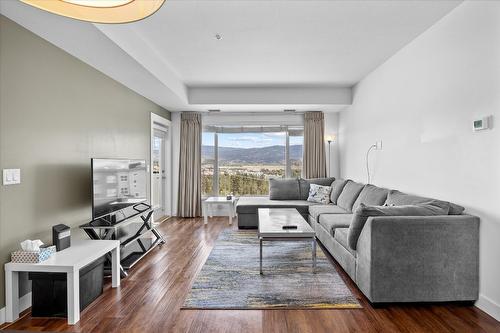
[[288, 167], [215, 185]]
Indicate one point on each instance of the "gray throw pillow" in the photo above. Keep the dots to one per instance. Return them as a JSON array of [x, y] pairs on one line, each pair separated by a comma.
[[337, 187], [319, 193], [304, 185], [284, 189], [429, 208]]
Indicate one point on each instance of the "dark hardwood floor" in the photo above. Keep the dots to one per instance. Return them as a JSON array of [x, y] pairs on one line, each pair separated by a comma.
[[149, 300]]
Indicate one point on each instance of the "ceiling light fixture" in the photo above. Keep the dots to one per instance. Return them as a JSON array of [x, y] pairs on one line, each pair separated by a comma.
[[100, 11], [218, 36]]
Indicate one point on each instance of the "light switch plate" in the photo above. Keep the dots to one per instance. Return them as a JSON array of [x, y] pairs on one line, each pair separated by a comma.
[[11, 176]]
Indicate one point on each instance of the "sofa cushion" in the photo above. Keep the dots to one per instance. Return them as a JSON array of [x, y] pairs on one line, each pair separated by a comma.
[[319, 194], [371, 195], [429, 208], [249, 205], [305, 183], [397, 198], [337, 187], [349, 195], [316, 211], [341, 237], [333, 221], [455, 209], [284, 189]]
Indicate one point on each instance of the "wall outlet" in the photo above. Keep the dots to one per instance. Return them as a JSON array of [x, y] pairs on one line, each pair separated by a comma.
[[378, 145], [11, 176]]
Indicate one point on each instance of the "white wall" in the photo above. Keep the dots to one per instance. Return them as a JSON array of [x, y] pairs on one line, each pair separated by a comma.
[[270, 95], [421, 103]]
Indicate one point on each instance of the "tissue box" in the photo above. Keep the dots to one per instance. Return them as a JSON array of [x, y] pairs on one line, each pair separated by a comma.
[[46, 252], [33, 257]]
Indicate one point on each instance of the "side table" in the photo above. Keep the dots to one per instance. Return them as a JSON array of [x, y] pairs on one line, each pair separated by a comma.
[[213, 201]]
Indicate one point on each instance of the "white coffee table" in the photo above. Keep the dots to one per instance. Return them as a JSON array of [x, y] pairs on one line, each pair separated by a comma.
[[271, 222], [214, 201]]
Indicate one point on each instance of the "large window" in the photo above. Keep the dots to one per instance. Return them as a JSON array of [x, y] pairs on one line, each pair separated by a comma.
[[240, 160]]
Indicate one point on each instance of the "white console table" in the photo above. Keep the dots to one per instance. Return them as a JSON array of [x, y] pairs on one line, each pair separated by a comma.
[[69, 261]]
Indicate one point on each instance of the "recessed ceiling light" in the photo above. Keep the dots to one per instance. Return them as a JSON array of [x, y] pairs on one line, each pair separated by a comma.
[[218, 36]]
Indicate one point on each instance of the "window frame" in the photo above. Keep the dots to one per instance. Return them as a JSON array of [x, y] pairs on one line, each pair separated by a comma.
[[283, 129]]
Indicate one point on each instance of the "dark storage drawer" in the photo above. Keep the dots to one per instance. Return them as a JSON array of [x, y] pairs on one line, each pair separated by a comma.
[[49, 290]]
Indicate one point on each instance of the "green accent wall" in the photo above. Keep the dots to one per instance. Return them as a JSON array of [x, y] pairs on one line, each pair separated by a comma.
[[57, 112]]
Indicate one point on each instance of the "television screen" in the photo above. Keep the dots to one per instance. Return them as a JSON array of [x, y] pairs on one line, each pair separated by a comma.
[[117, 184]]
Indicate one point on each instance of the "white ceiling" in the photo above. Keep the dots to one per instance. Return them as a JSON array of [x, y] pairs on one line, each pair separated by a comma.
[[284, 42], [276, 54]]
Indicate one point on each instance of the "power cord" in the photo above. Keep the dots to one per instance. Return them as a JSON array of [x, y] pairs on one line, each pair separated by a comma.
[[374, 146]]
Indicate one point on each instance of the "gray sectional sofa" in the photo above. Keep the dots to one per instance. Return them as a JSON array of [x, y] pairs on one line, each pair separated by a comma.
[[396, 247]]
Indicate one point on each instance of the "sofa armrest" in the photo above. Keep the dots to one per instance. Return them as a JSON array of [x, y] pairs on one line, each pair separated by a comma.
[[419, 258]]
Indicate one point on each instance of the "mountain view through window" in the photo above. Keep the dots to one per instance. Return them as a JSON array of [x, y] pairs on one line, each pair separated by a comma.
[[242, 163]]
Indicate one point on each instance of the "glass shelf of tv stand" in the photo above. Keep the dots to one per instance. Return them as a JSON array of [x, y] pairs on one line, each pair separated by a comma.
[[104, 223]]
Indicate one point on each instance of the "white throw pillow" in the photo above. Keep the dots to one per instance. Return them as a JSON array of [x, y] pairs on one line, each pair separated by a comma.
[[319, 193]]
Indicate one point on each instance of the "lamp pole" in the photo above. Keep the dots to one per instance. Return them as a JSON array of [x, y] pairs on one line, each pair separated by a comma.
[[329, 158]]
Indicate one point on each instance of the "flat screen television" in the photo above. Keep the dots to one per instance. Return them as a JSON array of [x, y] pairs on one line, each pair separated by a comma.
[[117, 184]]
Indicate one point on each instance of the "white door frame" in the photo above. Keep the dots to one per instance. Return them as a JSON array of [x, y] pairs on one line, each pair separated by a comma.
[[158, 122]]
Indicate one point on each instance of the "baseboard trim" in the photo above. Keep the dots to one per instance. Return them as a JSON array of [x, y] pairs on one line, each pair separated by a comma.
[[24, 303], [489, 306]]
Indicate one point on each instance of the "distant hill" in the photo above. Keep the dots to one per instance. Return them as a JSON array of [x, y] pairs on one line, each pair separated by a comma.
[[265, 155]]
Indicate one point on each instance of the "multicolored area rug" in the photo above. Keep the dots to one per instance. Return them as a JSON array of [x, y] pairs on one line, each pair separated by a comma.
[[230, 278]]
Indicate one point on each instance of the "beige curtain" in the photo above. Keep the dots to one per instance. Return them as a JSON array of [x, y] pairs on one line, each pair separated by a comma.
[[314, 160], [189, 203]]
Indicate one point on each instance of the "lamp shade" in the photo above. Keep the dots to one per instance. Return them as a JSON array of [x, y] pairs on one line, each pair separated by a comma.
[[100, 11], [329, 138]]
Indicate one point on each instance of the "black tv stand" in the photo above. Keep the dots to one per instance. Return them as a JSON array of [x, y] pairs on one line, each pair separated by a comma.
[[106, 227]]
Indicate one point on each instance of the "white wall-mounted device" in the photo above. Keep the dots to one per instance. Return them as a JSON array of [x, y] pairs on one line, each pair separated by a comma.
[[11, 176], [481, 124]]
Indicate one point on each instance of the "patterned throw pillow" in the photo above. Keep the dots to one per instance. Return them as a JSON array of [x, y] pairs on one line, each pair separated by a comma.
[[319, 193]]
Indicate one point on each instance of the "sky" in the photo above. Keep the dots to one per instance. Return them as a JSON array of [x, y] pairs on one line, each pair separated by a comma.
[[249, 140]]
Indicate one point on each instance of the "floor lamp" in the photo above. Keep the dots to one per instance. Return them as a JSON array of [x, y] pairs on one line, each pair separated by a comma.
[[329, 139]]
